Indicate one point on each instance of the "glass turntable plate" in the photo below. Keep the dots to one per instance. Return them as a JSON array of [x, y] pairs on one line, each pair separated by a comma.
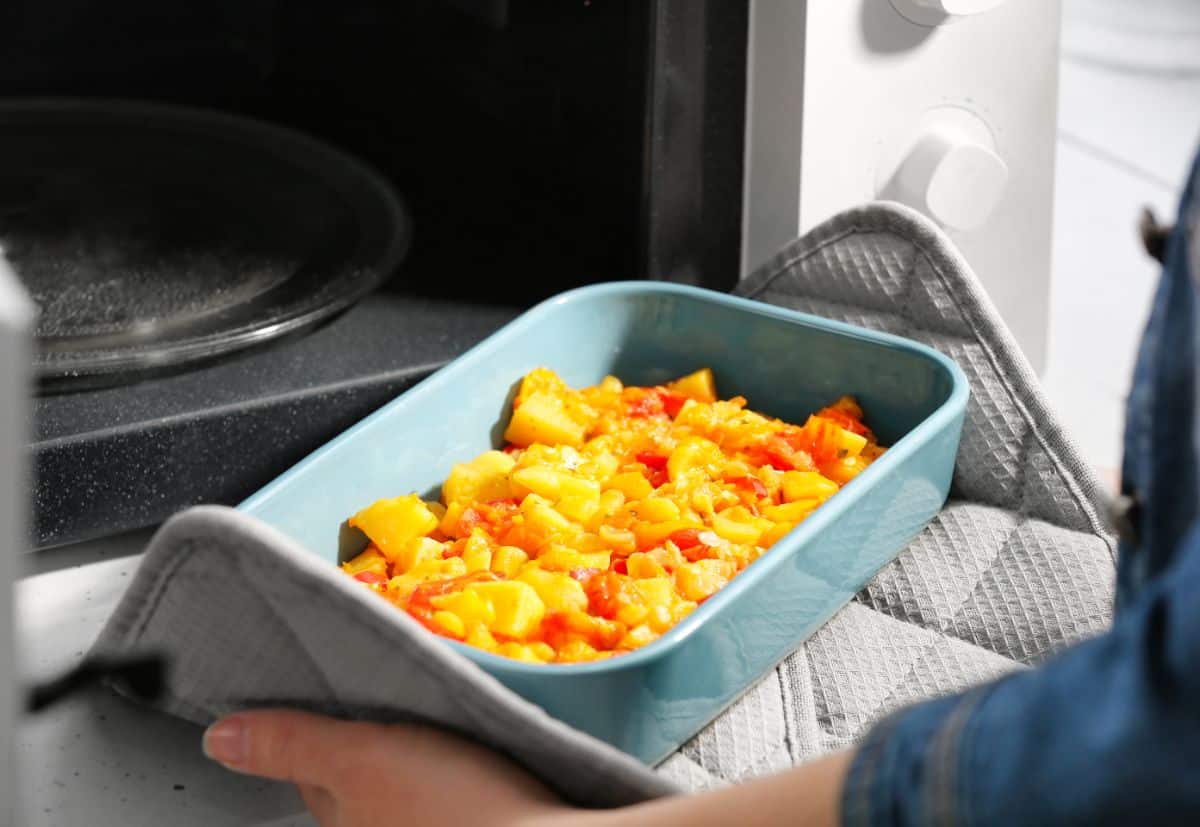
[[152, 236]]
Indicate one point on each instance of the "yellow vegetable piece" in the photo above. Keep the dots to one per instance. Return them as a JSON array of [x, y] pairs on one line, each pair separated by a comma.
[[428, 570], [561, 558], [610, 501], [638, 636], [543, 418], [735, 532], [559, 592], [660, 619], [655, 591], [700, 580], [542, 651], [792, 512], [620, 540], [479, 637], [518, 608], [391, 523], [521, 652], [540, 380], [842, 471], [507, 560], [632, 484], [632, 615], [668, 558], [643, 565], [807, 485], [695, 453], [545, 519], [451, 624], [400, 587], [849, 444], [448, 525], [773, 535], [483, 478], [699, 386], [577, 651], [682, 609], [600, 467], [416, 551], [370, 560], [653, 534], [477, 553], [656, 510], [581, 509], [539, 479], [467, 606]]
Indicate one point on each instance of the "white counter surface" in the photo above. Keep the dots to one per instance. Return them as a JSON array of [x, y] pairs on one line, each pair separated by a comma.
[[97, 759]]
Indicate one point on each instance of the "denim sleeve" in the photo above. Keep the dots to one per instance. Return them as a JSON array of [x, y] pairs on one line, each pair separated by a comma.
[[1109, 732], [1106, 734]]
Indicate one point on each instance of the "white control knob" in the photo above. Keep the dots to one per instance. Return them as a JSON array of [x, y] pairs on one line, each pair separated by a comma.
[[952, 177], [937, 12]]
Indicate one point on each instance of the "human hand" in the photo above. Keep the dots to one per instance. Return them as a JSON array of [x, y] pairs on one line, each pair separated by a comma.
[[354, 774]]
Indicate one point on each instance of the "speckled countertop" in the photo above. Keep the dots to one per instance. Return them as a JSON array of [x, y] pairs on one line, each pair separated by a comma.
[[114, 459], [97, 759]]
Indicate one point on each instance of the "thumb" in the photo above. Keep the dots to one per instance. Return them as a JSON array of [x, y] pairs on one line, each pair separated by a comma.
[[286, 745]]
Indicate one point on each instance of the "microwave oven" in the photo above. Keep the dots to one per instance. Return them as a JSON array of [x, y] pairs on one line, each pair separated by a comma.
[[537, 145]]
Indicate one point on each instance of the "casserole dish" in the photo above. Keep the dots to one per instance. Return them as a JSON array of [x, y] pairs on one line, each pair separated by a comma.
[[786, 364]]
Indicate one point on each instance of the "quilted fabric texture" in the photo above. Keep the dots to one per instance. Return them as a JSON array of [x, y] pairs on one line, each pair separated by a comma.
[[208, 591], [1018, 564]]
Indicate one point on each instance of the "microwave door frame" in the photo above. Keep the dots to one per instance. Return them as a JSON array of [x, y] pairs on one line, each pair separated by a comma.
[[694, 141]]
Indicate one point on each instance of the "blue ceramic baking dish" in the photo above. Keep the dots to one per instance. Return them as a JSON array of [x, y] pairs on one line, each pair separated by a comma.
[[785, 363]]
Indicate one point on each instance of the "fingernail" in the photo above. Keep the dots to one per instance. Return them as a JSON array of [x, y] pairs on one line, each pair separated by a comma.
[[226, 741]]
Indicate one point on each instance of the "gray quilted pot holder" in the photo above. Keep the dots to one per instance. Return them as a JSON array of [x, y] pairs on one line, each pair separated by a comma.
[[1017, 565]]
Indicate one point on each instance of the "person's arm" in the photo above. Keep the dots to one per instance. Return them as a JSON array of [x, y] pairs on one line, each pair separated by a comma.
[[370, 775], [807, 796]]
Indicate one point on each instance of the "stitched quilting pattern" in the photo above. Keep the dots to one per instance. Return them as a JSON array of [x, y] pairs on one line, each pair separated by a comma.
[[1014, 568]]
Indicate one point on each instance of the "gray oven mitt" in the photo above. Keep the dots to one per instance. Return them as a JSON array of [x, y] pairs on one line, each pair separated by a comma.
[[1016, 565]]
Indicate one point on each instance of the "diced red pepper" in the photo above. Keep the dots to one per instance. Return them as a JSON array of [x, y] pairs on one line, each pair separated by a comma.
[[845, 420], [603, 591], [646, 405], [788, 450], [372, 577], [470, 518], [817, 438], [620, 566], [672, 402], [652, 460], [693, 543], [510, 448], [779, 460], [686, 538]]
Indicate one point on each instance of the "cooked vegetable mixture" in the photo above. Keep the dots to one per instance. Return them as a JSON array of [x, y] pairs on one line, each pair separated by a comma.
[[611, 514]]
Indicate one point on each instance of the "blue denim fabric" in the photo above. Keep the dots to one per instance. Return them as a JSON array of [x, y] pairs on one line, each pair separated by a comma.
[[1108, 732]]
